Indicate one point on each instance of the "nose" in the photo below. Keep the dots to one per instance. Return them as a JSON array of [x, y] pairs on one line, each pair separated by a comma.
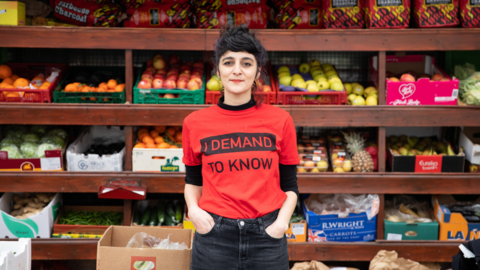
[[237, 69]]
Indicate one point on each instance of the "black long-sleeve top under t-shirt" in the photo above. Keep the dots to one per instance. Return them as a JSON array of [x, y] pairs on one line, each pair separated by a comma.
[[288, 173]]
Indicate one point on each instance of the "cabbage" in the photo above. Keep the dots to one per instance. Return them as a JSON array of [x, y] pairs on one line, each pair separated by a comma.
[[11, 141], [13, 151], [42, 148], [28, 149], [58, 132], [53, 139], [30, 137], [39, 129], [15, 131]]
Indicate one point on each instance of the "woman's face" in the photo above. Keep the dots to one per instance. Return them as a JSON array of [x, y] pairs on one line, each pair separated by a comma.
[[237, 70]]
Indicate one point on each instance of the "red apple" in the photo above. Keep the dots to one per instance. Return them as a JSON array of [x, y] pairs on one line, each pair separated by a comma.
[[161, 71], [174, 69], [407, 78], [197, 73], [150, 63], [445, 80], [162, 76], [147, 76], [159, 63], [188, 64], [148, 80], [173, 59], [198, 63], [172, 77], [148, 72], [437, 77], [168, 96], [143, 84], [413, 73], [393, 79], [198, 80], [157, 56], [193, 85], [158, 83], [182, 83], [195, 76], [184, 75], [151, 69], [169, 84], [267, 88]]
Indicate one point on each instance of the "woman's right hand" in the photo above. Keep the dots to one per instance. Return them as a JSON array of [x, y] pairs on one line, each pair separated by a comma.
[[201, 219]]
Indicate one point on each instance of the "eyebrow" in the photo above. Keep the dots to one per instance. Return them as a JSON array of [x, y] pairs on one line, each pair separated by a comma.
[[231, 58]]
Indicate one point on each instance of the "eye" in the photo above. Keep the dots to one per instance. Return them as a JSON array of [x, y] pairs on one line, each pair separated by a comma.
[[227, 63], [247, 64]]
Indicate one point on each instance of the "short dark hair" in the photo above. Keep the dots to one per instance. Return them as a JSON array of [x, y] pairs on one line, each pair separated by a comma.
[[240, 39]]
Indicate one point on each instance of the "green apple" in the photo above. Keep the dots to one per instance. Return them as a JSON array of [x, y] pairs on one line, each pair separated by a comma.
[[358, 101], [348, 88], [330, 73], [320, 77], [214, 85], [337, 86], [310, 81], [286, 80], [315, 63], [327, 65], [334, 79], [367, 90], [283, 69], [304, 68], [351, 97], [299, 83], [312, 87], [326, 69], [372, 101], [323, 85], [316, 72], [315, 68], [297, 76], [357, 90], [215, 77], [281, 74]]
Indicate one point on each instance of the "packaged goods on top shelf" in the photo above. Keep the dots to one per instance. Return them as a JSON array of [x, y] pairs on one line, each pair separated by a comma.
[[298, 14], [427, 154], [32, 148], [470, 13], [88, 13], [440, 13], [158, 149], [171, 82], [459, 220], [387, 14], [409, 219], [158, 213], [341, 14], [13, 13], [167, 14]]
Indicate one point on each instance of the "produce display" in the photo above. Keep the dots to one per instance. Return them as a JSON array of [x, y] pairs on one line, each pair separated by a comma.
[[96, 82], [30, 204], [360, 96], [412, 76], [101, 149], [313, 155], [91, 218], [405, 208], [161, 137], [31, 142], [412, 146], [164, 213], [13, 81], [469, 86]]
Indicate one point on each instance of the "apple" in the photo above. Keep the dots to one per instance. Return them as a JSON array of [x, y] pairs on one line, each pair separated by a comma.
[[337, 86], [348, 88], [182, 83], [215, 77], [185, 68], [147, 76], [159, 76], [316, 72], [334, 80], [159, 63], [315, 63], [283, 69], [310, 81], [299, 83], [198, 80], [197, 73], [169, 84], [195, 76], [150, 63], [286, 80], [187, 64], [267, 88], [144, 84], [312, 87], [214, 85], [304, 68], [331, 73], [437, 77], [173, 59], [168, 96], [157, 56], [280, 75], [358, 101], [148, 72], [407, 78], [198, 63], [351, 98], [297, 76], [148, 80], [323, 85], [413, 73], [158, 83], [320, 78], [393, 79], [357, 89], [161, 71], [193, 85], [184, 75]]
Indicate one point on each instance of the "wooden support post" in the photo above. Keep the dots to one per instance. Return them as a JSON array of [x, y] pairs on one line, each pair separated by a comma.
[[381, 149], [380, 217], [128, 76], [382, 73], [129, 137], [127, 212]]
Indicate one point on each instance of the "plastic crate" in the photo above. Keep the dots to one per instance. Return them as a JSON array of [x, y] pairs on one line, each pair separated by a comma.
[[212, 97], [328, 97], [90, 97], [28, 71], [151, 96]]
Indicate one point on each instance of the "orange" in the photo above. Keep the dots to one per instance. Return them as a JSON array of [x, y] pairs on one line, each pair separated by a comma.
[[154, 133], [163, 146], [104, 85], [159, 140], [151, 145], [14, 77], [112, 84], [93, 99], [110, 90], [160, 129], [101, 89], [3, 85], [139, 145], [45, 85], [85, 89], [147, 139], [171, 131], [5, 72], [71, 88], [12, 94], [77, 83], [42, 79], [21, 82], [8, 80], [173, 146], [9, 86], [120, 87], [106, 99], [93, 89], [142, 130], [143, 135]]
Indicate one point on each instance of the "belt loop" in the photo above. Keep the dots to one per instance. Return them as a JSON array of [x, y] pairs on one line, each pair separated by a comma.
[[261, 223], [219, 222]]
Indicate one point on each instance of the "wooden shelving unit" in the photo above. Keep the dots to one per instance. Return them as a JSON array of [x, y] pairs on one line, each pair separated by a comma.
[[130, 115]]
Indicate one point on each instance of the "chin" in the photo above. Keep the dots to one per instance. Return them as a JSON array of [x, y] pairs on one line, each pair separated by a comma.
[[236, 89]]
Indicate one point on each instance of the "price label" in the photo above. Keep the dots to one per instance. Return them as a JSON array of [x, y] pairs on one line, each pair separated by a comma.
[[315, 144], [298, 229], [341, 154], [318, 152], [316, 158], [394, 236], [50, 164]]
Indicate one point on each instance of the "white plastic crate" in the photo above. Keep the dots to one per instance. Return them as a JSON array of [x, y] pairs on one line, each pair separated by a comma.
[[16, 255]]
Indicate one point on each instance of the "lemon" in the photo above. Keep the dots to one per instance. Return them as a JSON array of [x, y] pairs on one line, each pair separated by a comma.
[[358, 101], [357, 89], [348, 87], [371, 101]]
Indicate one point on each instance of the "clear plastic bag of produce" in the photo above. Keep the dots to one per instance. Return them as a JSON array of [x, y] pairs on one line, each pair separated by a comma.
[[343, 204], [144, 240], [405, 208], [470, 89]]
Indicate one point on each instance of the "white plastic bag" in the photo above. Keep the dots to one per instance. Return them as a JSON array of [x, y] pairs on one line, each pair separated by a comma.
[[144, 240]]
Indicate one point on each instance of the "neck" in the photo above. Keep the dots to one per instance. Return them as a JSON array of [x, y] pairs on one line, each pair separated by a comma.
[[237, 99]]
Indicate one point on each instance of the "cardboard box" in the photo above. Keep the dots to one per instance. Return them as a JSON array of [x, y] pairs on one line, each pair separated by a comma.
[[83, 229], [297, 232], [157, 160], [141, 206], [332, 228], [420, 92], [16, 255], [53, 161], [470, 141], [453, 226], [426, 164], [37, 226], [78, 161], [39, 21], [12, 13], [411, 231], [112, 253]]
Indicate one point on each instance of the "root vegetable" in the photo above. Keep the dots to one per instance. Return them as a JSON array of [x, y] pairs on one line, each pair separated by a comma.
[[29, 209], [35, 205], [16, 197], [17, 206]]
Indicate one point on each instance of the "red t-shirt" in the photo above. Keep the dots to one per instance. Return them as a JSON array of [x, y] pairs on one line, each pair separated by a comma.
[[240, 152]]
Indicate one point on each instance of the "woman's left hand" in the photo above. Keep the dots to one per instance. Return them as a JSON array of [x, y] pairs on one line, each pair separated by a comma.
[[276, 230]]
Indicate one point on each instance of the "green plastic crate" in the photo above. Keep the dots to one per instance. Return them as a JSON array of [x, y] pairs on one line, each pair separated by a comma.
[[100, 97], [151, 96]]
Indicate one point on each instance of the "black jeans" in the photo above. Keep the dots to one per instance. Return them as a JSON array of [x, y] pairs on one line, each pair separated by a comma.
[[240, 244]]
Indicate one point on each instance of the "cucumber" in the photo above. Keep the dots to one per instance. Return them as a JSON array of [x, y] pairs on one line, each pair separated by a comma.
[[170, 210], [169, 221], [153, 217], [161, 213], [146, 216], [137, 218], [179, 212]]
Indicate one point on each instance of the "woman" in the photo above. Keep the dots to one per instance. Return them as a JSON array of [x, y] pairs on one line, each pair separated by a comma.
[[240, 156]]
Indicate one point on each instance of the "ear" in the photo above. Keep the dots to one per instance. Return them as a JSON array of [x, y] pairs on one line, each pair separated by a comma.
[[259, 73], [217, 73]]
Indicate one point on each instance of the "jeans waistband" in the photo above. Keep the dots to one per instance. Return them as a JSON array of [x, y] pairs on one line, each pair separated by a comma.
[[266, 219]]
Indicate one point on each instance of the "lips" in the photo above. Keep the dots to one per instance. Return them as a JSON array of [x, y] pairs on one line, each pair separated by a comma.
[[236, 81]]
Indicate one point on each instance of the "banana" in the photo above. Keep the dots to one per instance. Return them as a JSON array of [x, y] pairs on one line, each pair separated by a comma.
[[404, 209], [450, 151]]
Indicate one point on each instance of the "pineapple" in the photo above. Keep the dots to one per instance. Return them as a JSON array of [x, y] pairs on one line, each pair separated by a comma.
[[361, 159]]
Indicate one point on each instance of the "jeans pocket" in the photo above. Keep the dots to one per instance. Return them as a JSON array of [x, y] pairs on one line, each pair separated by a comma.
[[268, 235], [207, 233]]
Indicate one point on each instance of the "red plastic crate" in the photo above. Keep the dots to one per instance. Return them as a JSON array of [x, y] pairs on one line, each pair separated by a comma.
[[212, 97], [28, 71]]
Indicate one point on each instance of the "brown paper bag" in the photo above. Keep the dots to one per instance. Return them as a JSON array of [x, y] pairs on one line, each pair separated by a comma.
[[313, 265], [388, 260]]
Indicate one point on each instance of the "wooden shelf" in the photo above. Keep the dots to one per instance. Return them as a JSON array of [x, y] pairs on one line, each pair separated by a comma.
[[326, 116], [425, 251], [382, 183], [201, 39]]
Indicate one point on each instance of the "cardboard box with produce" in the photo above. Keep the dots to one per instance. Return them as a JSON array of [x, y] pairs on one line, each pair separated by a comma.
[[99, 149], [32, 148], [423, 155], [28, 215], [341, 217], [158, 213], [458, 220], [127, 248], [416, 80], [158, 149], [470, 142]]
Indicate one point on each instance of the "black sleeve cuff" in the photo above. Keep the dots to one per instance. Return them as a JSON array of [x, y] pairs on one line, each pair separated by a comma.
[[288, 178], [193, 175]]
